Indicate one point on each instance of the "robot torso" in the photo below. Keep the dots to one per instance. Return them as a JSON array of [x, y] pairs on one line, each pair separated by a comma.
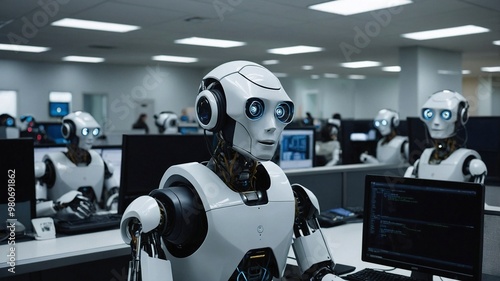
[[391, 152], [74, 177], [235, 227], [449, 169]]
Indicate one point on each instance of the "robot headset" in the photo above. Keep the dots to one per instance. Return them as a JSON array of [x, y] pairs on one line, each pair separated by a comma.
[[68, 129], [211, 106]]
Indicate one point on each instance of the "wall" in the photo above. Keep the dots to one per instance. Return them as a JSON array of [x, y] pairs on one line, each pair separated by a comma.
[[171, 88]]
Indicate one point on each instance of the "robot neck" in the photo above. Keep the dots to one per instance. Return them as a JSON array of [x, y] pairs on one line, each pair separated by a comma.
[[443, 148], [389, 137], [236, 170], [78, 155]]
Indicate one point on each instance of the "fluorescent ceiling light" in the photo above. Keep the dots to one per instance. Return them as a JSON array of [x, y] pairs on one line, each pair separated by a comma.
[[295, 50], [83, 59], [175, 59], [208, 42], [497, 42], [270, 62], [351, 7], [360, 64], [280, 75], [465, 71], [445, 32], [307, 67], [95, 25], [23, 48], [491, 69], [357, 77], [314, 76], [331, 75], [394, 68]]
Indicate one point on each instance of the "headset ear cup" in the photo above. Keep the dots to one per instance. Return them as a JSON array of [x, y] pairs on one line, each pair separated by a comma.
[[210, 109], [67, 130], [395, 120], [463, 111]]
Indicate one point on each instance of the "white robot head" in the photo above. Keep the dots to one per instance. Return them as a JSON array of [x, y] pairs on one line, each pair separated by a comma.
[[166, 121], [247, 104], [385, 121], [443, 112], [80, 128]]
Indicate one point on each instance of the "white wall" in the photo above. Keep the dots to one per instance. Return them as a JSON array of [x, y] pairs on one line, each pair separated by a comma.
[[171, 88]]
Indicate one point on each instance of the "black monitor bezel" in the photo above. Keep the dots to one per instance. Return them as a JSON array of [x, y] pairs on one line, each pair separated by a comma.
[[312, 131], [418, 268]]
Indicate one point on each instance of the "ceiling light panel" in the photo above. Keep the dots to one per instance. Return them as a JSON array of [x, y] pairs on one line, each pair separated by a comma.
[[446, 32], [23, 48], [361, 64], [394, 68], [175, 59], [83, 59], [351, 7], [94, 25], [295, 50], [209, 42], [491, 69]]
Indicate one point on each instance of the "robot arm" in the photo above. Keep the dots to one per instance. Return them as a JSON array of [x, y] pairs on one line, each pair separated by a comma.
[[335, 156], [412, 171], [310, 247], [367, 158], [478, 170], [111, 188]]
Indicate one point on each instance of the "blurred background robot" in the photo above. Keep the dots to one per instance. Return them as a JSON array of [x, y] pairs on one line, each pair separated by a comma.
[[391, 148], [328, 147], [77, 182], [445, 114], [236, 216], [167, 123]]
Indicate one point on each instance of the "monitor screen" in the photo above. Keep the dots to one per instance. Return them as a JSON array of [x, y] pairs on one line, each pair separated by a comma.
[[296, 148], [17, 199], [145, 158], [430, 227], [53, 132], [58, 109]]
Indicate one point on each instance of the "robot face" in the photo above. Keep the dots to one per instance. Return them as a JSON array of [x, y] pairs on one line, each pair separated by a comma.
[[86, 128], [384, 121], [261, 109], [439, 113]]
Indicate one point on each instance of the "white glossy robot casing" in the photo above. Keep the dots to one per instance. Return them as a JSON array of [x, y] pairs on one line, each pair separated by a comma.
[[385, 121], [167, 122], [86, 128], [441, 112]]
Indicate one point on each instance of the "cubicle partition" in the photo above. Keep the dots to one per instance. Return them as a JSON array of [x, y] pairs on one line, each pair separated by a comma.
[[343, 185]]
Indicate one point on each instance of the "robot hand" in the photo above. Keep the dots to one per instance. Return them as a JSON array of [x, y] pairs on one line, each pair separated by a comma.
[[112, 201], [366, 158], [478, 170], [74, 202]]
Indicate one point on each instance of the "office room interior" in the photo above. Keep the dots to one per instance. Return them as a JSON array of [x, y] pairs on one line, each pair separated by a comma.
[[351, 63]]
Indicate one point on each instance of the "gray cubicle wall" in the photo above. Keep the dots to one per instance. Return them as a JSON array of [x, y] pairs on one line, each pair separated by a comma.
[[340, 186]]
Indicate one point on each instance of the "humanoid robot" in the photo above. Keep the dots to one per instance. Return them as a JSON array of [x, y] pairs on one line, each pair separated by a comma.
[[328, 146], [391, 148], [444, 114], [166, 121], [75, 183], [236, 216]]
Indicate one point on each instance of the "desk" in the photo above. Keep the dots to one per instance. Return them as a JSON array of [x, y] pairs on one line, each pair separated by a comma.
[[32, 256]]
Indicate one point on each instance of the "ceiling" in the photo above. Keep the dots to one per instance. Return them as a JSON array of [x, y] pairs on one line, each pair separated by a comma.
[[263, 24]]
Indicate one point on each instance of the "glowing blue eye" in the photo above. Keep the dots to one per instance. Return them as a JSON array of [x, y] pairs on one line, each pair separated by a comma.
[[446, 114], [384, 122], [427, 113], [376, 123], [284, 112], [95, 131], [254, 108], [85, 131]]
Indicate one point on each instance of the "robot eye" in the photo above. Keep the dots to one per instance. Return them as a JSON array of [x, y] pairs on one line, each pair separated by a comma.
[[95, 132], [427, 113], [376, 123], [384, 122], [85, 131], [254, 108], [284, 112], [446, 114]]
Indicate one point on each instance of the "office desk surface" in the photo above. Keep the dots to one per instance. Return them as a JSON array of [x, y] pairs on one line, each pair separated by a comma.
[[37, 255]]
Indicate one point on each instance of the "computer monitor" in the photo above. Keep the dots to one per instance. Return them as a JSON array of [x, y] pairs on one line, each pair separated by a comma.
[[17, 200], [58, 109], [145, 158], [53, 132], [430, 227], [296, 148]]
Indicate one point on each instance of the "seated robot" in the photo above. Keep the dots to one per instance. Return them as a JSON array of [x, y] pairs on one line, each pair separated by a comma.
[[166, 121], [391, 148], [75, 183], [236, 216], [328, 146], [444, 114]]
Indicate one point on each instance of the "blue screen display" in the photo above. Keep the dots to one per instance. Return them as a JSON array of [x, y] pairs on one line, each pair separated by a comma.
[[58, 109]]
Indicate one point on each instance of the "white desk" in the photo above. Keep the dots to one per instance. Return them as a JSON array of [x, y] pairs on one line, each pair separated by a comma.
[[37, 255]]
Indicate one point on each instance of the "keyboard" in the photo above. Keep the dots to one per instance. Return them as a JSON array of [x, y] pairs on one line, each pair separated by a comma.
[[96, 222], [368, 274]]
